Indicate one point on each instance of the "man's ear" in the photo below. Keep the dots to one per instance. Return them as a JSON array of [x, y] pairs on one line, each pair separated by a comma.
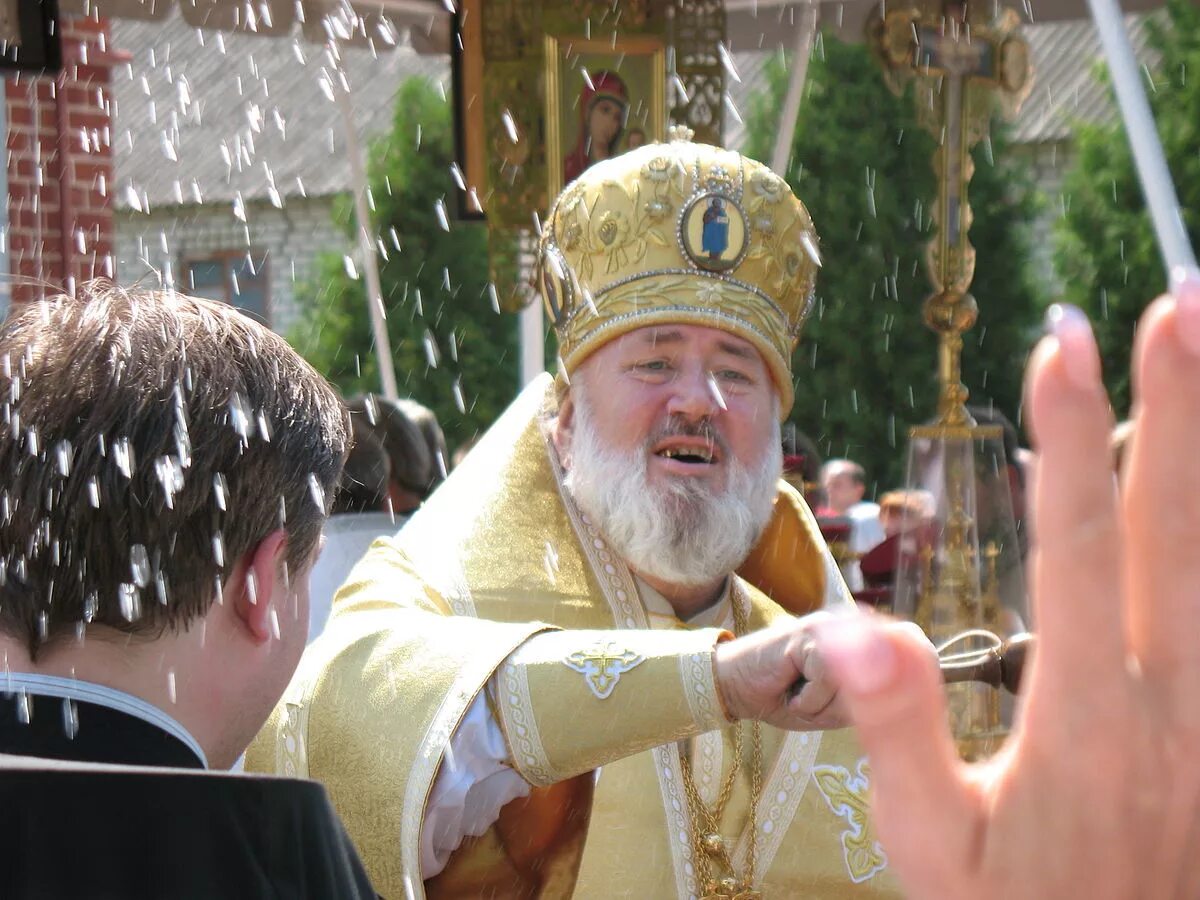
[[254, 584], [564, 426]]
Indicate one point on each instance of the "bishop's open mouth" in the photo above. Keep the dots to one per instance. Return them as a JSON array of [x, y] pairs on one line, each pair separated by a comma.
[[692, 452], [687, 456]]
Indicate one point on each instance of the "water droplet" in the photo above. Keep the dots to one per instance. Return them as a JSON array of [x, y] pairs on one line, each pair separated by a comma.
[[70, 715], [129, 602], [170, 478], [715, 390], [316, 490], [139, 565], [727, 63], [239, 416], [122, 455], [810, 247]]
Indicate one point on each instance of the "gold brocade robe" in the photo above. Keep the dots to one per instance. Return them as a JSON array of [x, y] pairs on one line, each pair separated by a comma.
[[499, 577]]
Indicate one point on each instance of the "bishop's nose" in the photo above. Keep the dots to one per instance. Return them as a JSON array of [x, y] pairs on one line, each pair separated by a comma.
[[694, 395]]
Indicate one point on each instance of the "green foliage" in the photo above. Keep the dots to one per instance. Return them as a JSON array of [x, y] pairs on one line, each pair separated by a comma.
[[452, 350], [866, 365], [1107, 258]]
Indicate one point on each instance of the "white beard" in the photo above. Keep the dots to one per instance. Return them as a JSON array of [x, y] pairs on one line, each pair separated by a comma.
[[682, 532]]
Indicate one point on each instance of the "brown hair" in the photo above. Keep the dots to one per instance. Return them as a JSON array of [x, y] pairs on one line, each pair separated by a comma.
[[409, 449], [147, 441], [364, 483]]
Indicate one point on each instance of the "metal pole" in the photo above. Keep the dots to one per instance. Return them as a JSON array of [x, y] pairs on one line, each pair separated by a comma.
[[809, 18], [366, 245], [1148, 155], [533, 341]]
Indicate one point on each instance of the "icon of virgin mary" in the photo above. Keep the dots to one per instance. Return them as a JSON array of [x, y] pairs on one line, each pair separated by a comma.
[[603, 106]]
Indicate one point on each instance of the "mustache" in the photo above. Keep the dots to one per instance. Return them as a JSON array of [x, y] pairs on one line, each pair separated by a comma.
[[678, 426]]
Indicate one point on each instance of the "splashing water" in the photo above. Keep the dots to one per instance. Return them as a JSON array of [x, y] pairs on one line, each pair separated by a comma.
[[239, 417], [316, 491], [170, 477], [139, 565], [122, 454], [129, 602]]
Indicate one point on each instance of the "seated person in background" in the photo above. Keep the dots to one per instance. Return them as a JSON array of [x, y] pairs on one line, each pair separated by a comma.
[[360, 514], [904, 511], [165, 462], [425, 420], [411, 449], [845, 484]]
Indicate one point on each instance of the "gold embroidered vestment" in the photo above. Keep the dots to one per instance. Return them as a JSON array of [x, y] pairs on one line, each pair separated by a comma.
[[499, 577]]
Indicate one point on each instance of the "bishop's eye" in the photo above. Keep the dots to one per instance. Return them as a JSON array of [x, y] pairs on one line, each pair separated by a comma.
[[654, 365], [733, 375]]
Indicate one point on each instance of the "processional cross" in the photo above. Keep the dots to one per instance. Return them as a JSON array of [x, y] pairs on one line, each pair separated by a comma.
[[963, 65], [964, 68]]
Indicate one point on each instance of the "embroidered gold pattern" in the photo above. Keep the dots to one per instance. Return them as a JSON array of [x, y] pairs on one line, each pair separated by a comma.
[[520, 726], [846, 795], [603, 665]]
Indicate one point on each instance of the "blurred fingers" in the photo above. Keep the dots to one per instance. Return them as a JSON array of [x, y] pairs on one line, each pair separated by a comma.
[[891, 687], [1162, 494], [1076, 568]]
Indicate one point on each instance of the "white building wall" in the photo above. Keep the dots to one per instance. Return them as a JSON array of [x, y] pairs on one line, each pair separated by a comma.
[[1048, 164], [291, 238]]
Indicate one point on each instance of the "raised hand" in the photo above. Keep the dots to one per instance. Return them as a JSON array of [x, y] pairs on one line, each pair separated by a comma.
[[1097, 794]]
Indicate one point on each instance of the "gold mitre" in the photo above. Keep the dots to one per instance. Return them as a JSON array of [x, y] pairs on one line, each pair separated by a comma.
[[679, 233]]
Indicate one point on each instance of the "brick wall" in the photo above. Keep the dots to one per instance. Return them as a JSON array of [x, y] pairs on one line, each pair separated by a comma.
[[59, 163]]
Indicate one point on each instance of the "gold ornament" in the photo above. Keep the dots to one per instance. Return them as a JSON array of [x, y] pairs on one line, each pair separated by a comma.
[[709, 847]]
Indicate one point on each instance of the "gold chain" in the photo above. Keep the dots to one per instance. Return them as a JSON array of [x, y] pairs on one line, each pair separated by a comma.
[[708, 845]]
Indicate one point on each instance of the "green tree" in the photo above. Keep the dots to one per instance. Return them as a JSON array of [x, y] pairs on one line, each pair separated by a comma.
[[453, 351], [866, 365], [1107, 256]]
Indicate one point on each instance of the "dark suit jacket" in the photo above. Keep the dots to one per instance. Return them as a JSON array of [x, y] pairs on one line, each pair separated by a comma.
[[155, 825]]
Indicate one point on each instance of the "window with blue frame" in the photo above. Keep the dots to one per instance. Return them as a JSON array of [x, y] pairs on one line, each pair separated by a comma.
[[239, 279]]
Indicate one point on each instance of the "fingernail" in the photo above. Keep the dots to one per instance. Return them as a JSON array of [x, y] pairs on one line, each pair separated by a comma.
[[862, 658], [1076, 344], [1185, 287]]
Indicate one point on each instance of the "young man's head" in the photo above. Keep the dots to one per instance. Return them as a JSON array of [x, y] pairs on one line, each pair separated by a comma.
[[844, 483], [166, 467], [676, 333]]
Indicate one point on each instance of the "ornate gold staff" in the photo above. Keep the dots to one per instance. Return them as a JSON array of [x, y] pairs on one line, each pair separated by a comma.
[[963, 63]]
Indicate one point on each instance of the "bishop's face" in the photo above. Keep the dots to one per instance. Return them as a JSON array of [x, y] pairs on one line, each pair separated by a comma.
[[670, 439], [693, 400]]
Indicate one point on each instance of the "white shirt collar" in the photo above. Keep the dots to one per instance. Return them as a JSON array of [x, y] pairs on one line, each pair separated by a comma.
[[100, 695], [662, 614]]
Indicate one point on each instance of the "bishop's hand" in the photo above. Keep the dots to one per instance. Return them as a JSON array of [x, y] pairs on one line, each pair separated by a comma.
[[1097, 793], [777, 675]]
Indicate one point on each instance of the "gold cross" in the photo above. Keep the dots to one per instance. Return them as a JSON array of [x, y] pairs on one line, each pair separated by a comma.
[[603, 666]]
